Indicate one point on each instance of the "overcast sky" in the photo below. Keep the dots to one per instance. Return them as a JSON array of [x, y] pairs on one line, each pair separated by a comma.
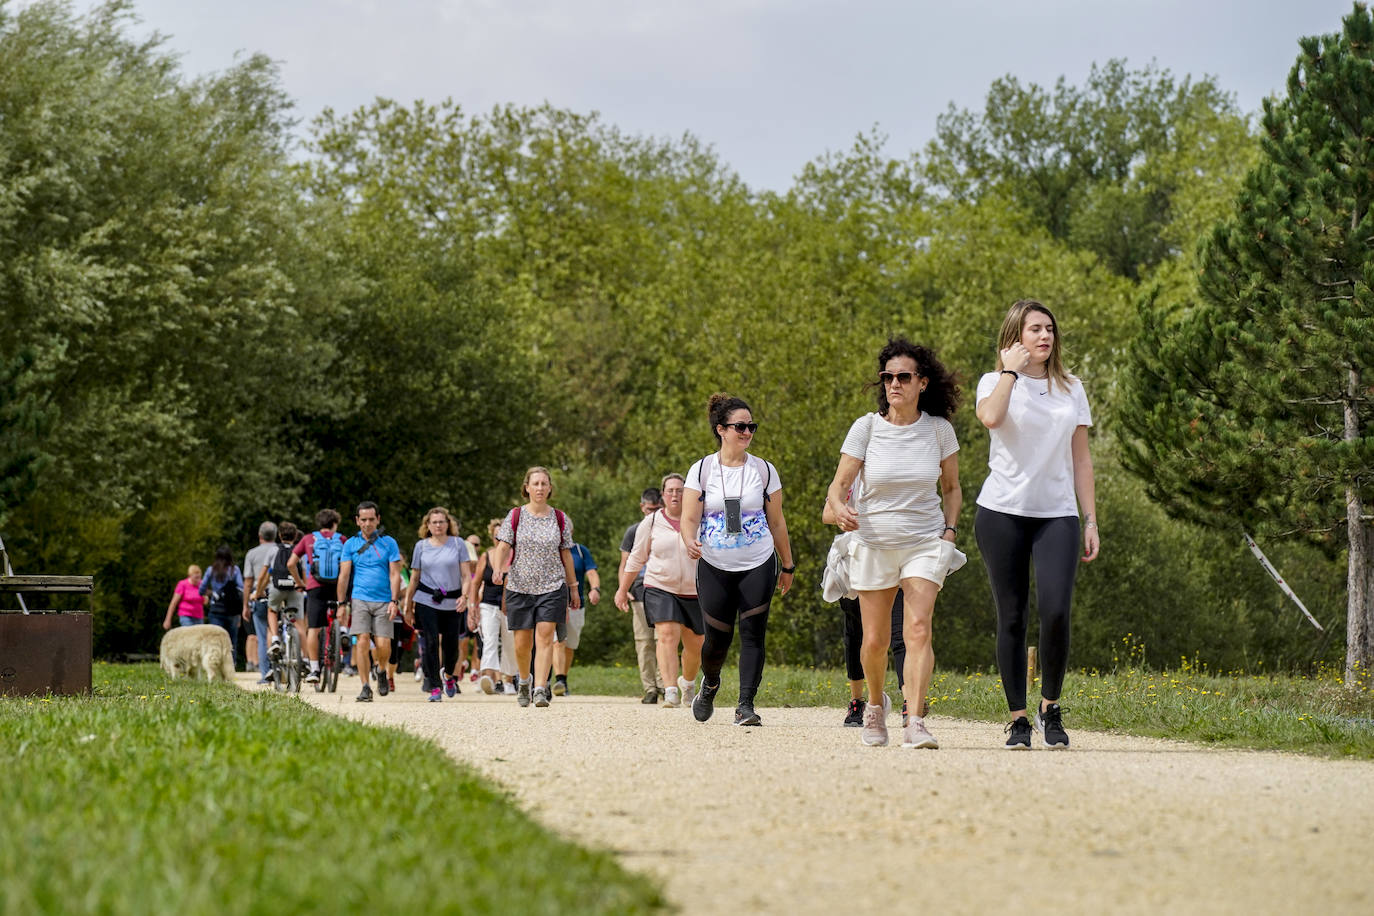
[[771, 84]]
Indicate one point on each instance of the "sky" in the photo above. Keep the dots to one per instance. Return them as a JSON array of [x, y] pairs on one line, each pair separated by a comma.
[[769, 84]]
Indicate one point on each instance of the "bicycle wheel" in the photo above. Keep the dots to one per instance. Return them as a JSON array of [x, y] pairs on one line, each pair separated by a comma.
[[332, 666], [293, 661], [322, 653]]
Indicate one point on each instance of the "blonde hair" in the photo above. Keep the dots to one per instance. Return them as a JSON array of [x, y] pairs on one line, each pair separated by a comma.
[[525, 484], [493, 525], [193, 570], [673, 475], [452, 522], [1012, 328]]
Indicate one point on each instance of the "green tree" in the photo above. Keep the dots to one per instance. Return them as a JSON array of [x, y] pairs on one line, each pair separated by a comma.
[[25, 418], [1253, 405]]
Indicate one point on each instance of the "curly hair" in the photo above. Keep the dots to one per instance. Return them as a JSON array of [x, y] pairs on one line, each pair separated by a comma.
[[719, 408], [941, 396], [424, 522]]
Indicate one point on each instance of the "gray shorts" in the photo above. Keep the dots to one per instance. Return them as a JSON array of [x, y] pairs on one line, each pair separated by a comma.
[[570, 633], [372, 618], [665, 607], [285, 598], [524, 611]]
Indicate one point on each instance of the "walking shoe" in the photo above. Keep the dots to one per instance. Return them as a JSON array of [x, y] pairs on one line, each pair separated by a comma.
[[313, 677], [1050, 723], [390, 685], [672, 698], [854, 718], [1018, 734], [915, 734], [473, 677], [688, 690], [419, 675], [350, 671], [874, 726], [436, 696], [274, 650], [705, 703], [488, 686], [745, 715], [499, 687], [541, 696], [383, 684], [366, 695], [450, 685], [560, 686], [651, 697], [522, 694]]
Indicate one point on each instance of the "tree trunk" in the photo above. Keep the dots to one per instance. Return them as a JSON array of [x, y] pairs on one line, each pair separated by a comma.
[[1359, 583]]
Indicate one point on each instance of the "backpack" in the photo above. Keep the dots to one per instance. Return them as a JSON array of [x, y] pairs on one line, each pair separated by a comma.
[[326, 555], [228, 596], [515, 526], [279, 574]]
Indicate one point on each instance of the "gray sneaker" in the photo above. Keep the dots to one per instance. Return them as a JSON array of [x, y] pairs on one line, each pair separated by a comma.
[[688, 690], [541, 696], [522, 693], [874, 732], [672, 698], [917, 735]]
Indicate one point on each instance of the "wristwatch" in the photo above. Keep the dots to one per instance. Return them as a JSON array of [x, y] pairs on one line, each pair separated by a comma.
[[788, 569]]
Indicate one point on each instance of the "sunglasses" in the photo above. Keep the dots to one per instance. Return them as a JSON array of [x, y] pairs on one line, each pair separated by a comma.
[[741, 427], [887, 378]]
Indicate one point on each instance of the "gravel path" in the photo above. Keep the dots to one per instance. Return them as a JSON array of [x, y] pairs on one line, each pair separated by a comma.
[[798, 817]]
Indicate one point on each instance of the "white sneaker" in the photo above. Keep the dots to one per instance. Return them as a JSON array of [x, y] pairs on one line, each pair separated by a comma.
[[419, 675], [487, 684], [917, 735], [688, 689], [874, 732], [672, 698]]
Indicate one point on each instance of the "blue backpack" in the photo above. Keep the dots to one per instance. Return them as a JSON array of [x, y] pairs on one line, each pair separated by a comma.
[[326, 556]]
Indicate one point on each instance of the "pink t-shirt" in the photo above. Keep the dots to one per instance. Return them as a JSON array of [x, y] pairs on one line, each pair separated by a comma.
[[192, 605]]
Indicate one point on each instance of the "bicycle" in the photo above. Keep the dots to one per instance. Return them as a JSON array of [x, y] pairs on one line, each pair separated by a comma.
[[332, 653], [286, 665]]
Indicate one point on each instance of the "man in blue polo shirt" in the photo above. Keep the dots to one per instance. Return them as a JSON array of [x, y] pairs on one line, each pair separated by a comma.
[[372, 563]]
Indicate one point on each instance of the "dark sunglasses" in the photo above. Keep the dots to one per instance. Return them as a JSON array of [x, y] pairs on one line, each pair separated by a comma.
[[741, 427], [887, 378]]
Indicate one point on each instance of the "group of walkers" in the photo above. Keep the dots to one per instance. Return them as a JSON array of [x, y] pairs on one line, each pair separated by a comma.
[[711, 549]]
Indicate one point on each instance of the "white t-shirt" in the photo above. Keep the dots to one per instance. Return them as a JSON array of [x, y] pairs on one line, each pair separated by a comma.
[[898, 490], [753, 546], [1030, 460]]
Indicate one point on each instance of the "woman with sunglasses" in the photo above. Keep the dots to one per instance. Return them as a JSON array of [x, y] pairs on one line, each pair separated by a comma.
[[903, 463], [732, 522], [1040, 474]]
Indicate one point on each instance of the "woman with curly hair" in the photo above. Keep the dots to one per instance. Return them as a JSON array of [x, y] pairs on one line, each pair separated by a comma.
[[903, 463]]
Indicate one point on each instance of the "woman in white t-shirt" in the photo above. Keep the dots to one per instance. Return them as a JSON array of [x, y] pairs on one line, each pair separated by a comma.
[[732, 522], [903, 463], [1040, 474]]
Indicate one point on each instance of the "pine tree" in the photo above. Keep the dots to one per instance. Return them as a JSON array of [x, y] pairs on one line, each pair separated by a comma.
[[1253, 405]]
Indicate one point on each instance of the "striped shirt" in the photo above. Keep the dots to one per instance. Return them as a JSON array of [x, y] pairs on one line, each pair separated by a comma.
[[898, 490]]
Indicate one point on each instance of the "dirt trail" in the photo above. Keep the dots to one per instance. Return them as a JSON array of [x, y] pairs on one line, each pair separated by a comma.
[[798, 817]]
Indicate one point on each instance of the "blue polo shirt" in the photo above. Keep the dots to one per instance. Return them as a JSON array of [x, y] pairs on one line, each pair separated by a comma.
[[372, 568], [582, 561]]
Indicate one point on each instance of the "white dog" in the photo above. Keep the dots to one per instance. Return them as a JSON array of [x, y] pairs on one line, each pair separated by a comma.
[[203, 649]]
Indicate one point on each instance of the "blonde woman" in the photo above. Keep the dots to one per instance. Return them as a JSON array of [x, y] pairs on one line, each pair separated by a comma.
[[1040, 476], [440, 570], [187, 606], [670, 593], [536, 541]]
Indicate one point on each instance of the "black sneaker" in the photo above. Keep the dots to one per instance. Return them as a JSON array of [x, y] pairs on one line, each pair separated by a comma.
[[383, 685], [1018, 735], [1050, 723], [650, 697], [855, 717], [745, 715], [366, 695], [498, 687], [705, 703], [560, 686]]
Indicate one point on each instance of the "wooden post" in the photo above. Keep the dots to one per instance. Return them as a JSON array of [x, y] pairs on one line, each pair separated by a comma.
[[1031, 658]]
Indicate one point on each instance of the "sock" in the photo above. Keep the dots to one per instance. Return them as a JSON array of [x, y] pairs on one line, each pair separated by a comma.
[[315, 667], [562, 678]]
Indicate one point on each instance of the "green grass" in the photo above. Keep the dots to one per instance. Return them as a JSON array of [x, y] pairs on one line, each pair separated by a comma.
[[155, 796], [1315, 715]]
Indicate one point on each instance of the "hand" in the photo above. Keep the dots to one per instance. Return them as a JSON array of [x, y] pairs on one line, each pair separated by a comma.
[[472, 621], [245, 615], [574, 599], [948, 536], [1016, 357], [395, 611], [622, 600], [167, 624], [498, 577], [1091, 544], [594, 595], [847, 518], [694, 549], [784, 583]]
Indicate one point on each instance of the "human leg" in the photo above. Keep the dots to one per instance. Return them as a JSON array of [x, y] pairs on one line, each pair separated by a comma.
[[875, 612], [668, 635], [427, 621], [1004, 542], [645, 648], [1054, 549], [851, 637], [543, 652]]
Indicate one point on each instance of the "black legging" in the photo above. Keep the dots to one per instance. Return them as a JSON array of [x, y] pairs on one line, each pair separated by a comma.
[[723, 597], [1009, 544], [440, 631], [854, 638]]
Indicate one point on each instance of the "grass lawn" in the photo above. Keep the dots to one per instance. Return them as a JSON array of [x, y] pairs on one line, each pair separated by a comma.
[[1310, 715], [155, 796]]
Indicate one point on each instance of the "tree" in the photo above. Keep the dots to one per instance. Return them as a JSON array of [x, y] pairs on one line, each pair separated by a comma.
[[25, 418], [1253, 405]]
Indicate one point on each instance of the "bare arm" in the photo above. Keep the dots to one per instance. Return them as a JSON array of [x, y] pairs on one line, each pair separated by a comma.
[[1085, 488], [345, 573], [992, 410], [570, 577], [396, 584], [951, 497], [500, 556], [777, 525], [171, 610], [691, 522], [837, 510]]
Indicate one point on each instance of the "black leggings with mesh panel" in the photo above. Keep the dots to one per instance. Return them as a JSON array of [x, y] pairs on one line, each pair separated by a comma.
[[726, 597]]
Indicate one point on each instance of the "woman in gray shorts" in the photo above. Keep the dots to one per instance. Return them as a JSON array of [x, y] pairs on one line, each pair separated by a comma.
[[670, 593], [536, 541]]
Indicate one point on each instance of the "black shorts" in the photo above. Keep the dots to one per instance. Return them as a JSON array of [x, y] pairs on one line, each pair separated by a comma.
[[524, 611], [317, 602], [665, 607]]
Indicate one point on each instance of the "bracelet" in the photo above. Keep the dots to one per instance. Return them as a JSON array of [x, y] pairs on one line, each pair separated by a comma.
[[1012, 372], [788, 569], [1090, 525], [951, 528]]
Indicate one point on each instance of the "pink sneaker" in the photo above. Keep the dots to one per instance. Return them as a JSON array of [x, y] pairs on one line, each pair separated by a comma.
[[917, 735], [875, 726]]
